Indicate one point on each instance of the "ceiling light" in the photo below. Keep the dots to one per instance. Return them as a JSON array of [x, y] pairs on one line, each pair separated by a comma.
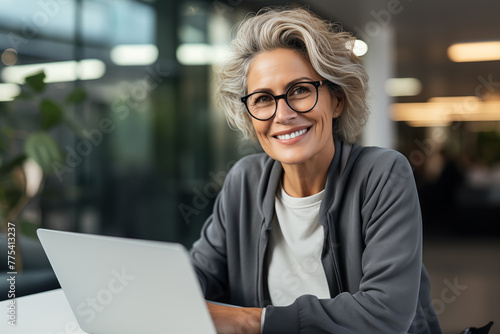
[[134, 55], [8, 92], [458, 104], [445, 112], [200, 54], [358, 47], [428, 124], [455, 99], [403, 87], [417, 112], [480, 51], [89, 69]]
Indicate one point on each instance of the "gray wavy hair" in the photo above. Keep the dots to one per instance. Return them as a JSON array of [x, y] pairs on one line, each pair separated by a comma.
[[325, 45]]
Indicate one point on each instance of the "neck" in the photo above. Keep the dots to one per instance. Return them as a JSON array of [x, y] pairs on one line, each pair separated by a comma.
[[308, 178]]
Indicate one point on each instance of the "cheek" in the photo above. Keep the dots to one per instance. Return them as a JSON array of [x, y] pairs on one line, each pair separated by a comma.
[[325, 117], [260, 131], [260, 127], [324, 125]]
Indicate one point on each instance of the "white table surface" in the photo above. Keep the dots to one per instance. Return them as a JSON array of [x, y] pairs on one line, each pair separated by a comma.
[[42, 313]]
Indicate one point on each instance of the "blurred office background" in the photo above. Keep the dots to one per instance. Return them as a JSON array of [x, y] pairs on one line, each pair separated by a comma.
[[146, 151]]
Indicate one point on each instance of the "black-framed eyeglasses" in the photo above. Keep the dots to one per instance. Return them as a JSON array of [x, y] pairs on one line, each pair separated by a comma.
[[300, 97]]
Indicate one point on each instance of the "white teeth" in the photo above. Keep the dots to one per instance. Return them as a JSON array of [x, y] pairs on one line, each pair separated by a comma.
[[292, 135]]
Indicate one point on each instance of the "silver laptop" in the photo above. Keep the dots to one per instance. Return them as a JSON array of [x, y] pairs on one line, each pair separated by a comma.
[[120, 286]]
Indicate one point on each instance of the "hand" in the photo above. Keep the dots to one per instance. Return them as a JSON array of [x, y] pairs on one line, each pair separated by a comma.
[[235, 320]]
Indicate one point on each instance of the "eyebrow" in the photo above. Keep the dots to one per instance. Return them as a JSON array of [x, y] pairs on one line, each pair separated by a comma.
[[294, 81]]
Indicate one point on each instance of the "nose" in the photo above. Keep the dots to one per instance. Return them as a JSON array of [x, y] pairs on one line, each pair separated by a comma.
[[283, 111]]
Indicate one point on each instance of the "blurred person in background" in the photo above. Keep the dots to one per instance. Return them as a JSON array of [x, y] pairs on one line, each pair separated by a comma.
[[317, 234]]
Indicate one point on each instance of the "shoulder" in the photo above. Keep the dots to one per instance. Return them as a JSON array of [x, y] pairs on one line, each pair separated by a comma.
[[249, 182], [373, 165], [380, 159], [380, 155], [256, 176], [251, 166]]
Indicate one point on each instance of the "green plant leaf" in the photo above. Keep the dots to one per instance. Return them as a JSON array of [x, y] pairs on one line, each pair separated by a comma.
[[42, 148], [36, 81], [52, 114], [28, 228], [76, 96]]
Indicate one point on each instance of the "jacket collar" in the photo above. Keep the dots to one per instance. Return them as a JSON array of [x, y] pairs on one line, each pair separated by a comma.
[[334, 179], [268, 192]]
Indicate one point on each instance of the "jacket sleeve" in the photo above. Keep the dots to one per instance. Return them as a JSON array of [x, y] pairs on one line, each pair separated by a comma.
[[391, 263], [208, 254]]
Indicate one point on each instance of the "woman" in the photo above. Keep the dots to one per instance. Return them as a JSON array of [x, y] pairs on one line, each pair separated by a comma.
[[317, 235]]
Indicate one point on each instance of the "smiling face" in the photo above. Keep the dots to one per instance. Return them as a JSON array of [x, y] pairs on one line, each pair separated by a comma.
[[290, 137]]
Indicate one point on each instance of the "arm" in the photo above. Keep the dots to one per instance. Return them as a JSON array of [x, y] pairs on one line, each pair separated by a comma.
[[208, 253], [209, 258], [235, 320], [391, 265]]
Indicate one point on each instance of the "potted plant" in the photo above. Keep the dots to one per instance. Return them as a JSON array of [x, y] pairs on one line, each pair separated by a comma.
[[28, 152]]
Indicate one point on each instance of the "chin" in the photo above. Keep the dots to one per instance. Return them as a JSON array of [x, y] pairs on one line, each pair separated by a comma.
[[290, 158]]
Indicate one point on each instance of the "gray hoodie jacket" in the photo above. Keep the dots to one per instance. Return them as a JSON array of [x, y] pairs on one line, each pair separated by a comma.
[[372, 252]]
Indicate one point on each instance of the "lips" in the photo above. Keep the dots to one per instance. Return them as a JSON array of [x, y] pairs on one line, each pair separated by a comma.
[[292, 135], [288, 136]]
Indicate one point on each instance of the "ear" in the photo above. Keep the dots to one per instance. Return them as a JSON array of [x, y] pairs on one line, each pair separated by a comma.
[[338, 105]]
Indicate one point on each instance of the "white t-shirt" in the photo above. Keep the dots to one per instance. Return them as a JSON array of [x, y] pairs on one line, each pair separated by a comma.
[[296, 242]]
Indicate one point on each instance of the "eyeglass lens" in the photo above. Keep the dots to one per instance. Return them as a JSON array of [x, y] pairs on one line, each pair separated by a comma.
[[301, 97]]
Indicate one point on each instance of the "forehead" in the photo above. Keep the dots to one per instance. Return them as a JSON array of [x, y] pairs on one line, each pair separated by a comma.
[[278, 67]]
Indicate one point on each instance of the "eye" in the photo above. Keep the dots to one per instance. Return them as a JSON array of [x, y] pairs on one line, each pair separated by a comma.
[[262, 99], [299, 90]]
